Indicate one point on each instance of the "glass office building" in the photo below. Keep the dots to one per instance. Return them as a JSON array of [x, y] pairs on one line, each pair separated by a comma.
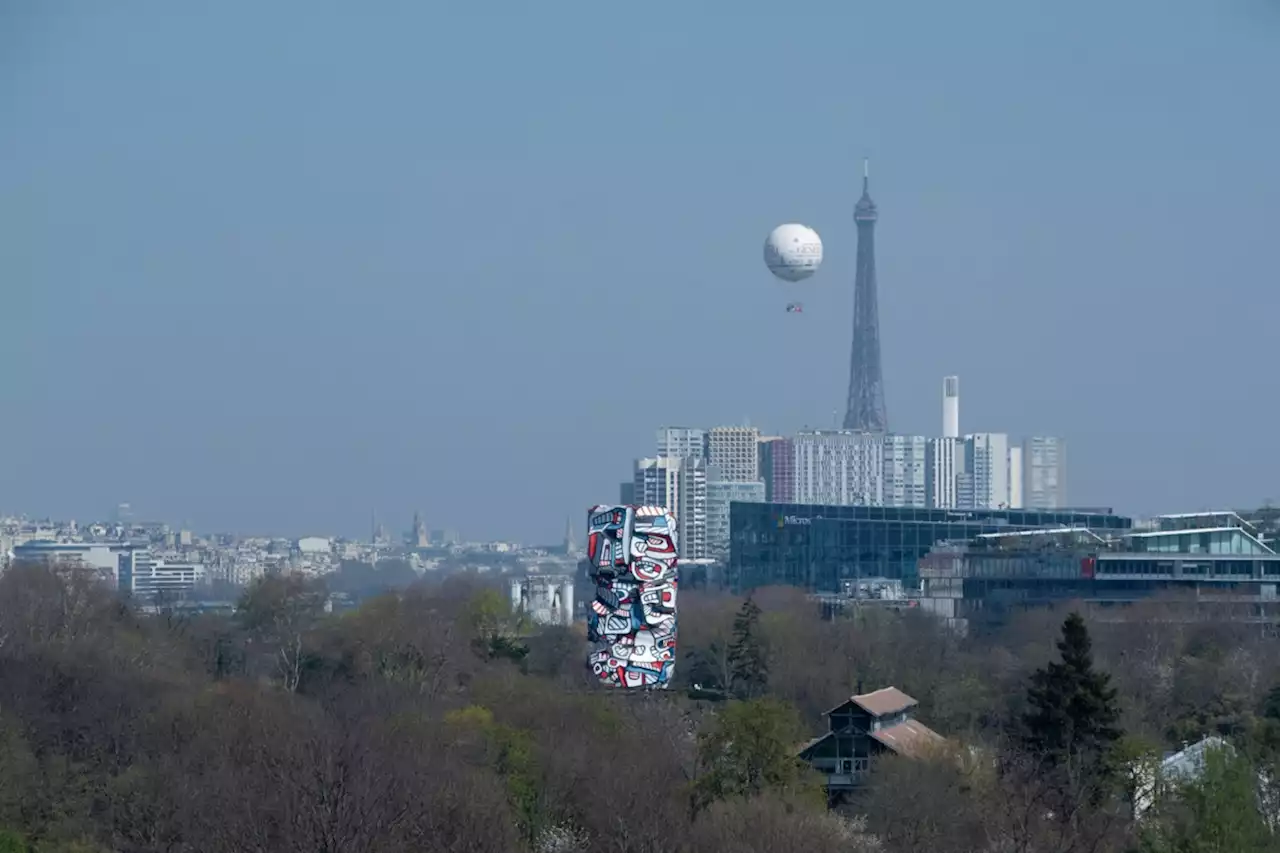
[[819, 548]]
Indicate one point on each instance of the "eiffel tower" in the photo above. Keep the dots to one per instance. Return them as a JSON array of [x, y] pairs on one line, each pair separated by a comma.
[[865, 411]]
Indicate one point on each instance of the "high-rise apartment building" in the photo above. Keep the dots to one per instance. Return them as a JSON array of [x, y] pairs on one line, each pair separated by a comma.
[[944, 468], [982, 470], [679, 442], [1015, 477], [839, 467], [985, 481], [778, 469], [1044, 464], [680, 485], [736, 452], [691, 518], [905, 467], [656, 483], [974, 472]]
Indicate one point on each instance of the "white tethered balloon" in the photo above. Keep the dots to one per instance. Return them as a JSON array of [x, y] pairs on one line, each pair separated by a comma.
[[793, 252]]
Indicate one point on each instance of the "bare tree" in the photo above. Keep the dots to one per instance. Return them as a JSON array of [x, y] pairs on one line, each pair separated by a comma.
[[927, 804], [59, 603], [769, 825], [280, 610], [1032, 809]]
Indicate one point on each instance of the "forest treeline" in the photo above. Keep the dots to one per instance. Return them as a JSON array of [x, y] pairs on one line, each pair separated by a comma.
[[434, 719]]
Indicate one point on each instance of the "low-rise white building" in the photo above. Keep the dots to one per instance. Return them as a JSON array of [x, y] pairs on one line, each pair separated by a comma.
[[314, 545], [145, 576], [547, 599], [103, 556]]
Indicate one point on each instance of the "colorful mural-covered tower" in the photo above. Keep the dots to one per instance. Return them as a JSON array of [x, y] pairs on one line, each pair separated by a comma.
[[632, 552]]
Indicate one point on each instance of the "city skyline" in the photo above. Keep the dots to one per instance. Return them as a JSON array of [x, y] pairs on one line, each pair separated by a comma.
[[267, 295], [949, 469]]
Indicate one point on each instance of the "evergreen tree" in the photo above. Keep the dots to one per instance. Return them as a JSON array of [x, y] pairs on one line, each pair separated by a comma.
[[1271, 704], [1072, 719], [748, 667]]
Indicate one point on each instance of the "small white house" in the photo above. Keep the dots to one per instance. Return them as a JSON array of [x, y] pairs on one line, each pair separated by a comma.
[[1178, 767]]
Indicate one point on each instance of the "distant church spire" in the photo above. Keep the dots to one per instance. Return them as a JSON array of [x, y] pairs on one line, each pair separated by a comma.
[[569, 544]]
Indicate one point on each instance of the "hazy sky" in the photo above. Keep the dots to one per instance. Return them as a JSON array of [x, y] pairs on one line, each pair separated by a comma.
[[266, 266]]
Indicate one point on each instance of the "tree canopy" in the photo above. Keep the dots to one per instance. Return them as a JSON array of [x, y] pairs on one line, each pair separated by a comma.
[[435, 719]]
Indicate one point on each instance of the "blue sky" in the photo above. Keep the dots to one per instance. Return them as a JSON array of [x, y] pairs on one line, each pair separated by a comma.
[[264, 267]]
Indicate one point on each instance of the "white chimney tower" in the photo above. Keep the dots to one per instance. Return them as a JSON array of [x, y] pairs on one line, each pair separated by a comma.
[[951, 407]]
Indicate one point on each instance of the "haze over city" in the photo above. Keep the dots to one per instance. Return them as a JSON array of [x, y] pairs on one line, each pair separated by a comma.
[[270, 267]]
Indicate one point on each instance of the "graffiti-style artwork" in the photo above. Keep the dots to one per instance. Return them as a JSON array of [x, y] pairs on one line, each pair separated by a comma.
[[633, 556]]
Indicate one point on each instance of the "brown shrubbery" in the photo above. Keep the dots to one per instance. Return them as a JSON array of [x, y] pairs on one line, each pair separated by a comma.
[[435, 721]]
